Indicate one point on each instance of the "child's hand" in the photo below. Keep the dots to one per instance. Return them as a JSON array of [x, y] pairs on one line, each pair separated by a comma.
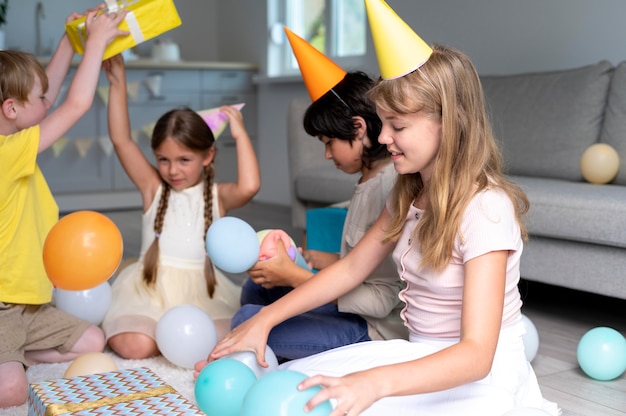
[[114, 69], [235, 118], [279, 270], [251, 335], [104, 26], [76, 15], [352, 393]]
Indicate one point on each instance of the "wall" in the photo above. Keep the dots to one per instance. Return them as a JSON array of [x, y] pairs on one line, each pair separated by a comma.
[[197, 36], [501, 37], [511, 36]]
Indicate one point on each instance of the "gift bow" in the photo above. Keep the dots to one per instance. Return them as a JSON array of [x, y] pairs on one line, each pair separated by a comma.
[[131, 20]]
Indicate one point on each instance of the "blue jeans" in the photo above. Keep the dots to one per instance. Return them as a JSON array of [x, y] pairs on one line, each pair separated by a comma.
[[318, 330]]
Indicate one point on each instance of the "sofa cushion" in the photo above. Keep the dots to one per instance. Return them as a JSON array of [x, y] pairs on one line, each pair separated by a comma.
[[325, 185], [582, 212], [614, 129], [546, 120]]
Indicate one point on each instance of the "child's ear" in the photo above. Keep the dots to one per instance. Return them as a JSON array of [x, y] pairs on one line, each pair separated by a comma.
[[9, 109], [208, 158], [361, 130]]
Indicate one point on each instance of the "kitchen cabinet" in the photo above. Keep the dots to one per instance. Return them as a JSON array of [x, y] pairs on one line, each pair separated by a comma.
[[82, 169]]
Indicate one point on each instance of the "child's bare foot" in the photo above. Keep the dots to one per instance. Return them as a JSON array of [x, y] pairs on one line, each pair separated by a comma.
[[198, 367]]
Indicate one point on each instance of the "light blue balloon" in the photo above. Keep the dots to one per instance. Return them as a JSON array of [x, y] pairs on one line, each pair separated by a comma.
[[185, 334], [90, 305], [601, 353], [221, 387], [277, 394], [232, 245]]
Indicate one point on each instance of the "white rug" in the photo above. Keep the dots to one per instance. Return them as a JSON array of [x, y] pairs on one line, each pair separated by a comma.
[[179, 378]]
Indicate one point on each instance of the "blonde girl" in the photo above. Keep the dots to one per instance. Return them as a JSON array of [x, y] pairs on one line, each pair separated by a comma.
[[453, 222]]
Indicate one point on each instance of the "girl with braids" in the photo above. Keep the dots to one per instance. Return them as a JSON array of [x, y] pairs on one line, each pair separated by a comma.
[[180, 201], [454, 225]]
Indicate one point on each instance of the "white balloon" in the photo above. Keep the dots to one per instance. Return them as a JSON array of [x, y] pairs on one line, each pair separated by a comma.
[[90, 305], [527, 411], [186, 334], [530, 338], [249, 359]]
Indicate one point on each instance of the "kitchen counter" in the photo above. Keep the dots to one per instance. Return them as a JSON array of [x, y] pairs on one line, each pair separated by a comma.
[[151, 63], [147, 63]]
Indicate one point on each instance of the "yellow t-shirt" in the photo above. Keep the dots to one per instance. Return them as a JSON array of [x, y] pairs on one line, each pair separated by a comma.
[[27, 213]]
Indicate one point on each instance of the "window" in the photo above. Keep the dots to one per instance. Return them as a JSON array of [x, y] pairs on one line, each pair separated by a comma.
[[335, 27]]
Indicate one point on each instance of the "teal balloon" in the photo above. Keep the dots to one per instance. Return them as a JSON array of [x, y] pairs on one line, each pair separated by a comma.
[[277, 394], [232, 245], [221, 387], [300, 261], [601, 353]]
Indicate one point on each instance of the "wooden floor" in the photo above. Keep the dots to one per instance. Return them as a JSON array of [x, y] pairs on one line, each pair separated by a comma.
[[561, 317]]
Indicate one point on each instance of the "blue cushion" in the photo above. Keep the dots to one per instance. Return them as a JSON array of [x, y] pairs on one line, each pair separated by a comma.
[[546, 120], [324, 227]]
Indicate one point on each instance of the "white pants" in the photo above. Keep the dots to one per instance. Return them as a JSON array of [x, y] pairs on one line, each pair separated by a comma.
[[511, 383]]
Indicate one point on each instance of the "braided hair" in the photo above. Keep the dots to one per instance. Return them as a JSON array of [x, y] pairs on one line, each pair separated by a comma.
[[189, 129]]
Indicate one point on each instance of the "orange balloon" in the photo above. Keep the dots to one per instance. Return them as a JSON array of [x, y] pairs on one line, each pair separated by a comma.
[[82, 250]]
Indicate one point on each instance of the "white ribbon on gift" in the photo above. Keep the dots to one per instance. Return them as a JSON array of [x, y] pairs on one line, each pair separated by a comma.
[[134, 28], [131, 20]]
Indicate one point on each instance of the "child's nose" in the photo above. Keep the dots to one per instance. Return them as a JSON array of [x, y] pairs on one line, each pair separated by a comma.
[[384, 138]]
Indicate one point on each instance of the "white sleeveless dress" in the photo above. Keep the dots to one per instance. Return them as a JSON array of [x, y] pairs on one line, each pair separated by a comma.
[[180, 278]]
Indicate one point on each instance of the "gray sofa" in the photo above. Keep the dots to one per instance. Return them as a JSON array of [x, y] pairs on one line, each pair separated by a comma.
[[544, 122]]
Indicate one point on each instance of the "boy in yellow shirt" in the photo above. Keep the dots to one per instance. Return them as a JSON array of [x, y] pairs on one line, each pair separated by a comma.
[[32, 330]]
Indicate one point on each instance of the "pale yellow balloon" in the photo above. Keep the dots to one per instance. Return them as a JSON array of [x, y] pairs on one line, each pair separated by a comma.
[[599, 163], [90, 363], [261, 234]]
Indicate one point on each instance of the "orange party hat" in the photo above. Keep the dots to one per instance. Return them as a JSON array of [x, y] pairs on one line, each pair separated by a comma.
[[320, 74], [398, 48]]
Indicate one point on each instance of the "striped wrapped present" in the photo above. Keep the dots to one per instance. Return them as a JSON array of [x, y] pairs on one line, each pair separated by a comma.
[[136, 391]]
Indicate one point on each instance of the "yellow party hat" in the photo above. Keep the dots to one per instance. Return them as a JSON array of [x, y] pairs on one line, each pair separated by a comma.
[[216, 120], [398, 48], [320, 74]]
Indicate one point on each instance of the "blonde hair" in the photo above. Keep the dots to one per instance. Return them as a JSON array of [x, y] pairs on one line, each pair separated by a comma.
[[17, 75], [446, 88], [189, 129]]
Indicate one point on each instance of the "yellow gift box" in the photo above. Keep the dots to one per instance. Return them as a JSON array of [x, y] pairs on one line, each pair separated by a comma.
[[146, 19]]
